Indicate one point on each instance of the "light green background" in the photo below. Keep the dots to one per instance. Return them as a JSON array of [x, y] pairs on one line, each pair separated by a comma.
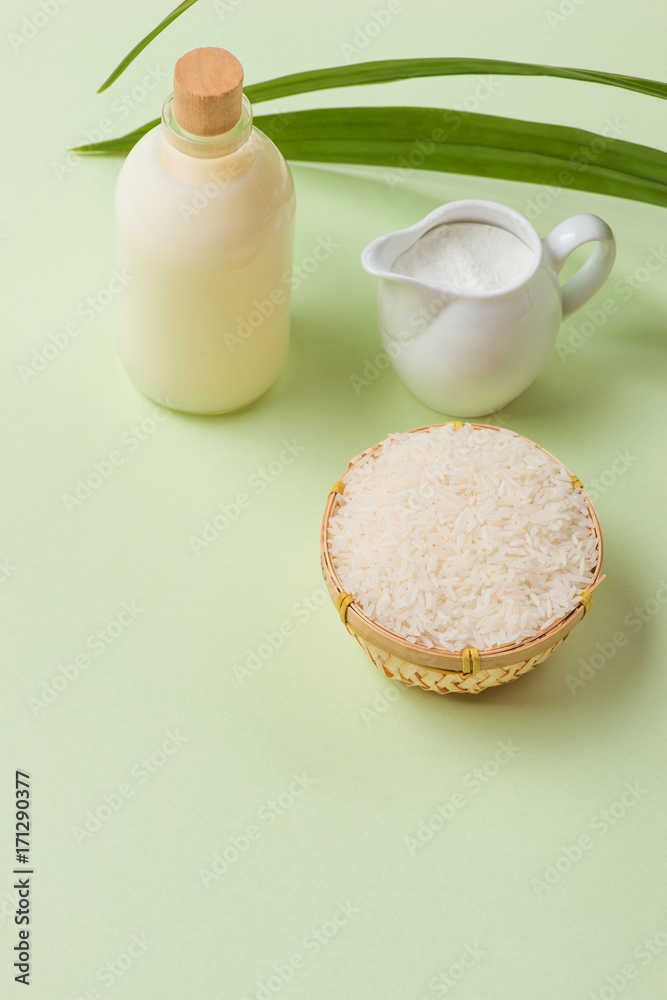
[[381, 758]]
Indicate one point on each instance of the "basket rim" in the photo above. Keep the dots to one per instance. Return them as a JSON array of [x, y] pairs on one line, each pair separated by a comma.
[[435, 657]]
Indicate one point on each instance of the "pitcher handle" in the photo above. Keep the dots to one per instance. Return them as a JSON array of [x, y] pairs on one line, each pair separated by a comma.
[[565, 238]]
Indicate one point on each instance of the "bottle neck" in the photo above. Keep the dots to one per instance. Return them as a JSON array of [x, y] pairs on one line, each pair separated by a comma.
[[206, 146]]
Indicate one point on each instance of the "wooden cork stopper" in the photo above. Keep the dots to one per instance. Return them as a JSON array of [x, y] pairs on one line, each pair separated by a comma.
[[208, 87]]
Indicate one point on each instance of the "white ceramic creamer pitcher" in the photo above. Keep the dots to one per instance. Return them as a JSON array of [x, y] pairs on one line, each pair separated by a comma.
[[467, 353]]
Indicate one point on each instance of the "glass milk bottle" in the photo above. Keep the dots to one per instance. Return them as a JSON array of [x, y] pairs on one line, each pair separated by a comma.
[[205, 231]]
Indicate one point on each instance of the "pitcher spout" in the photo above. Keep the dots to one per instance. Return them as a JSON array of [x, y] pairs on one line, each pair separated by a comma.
[[379, 257]]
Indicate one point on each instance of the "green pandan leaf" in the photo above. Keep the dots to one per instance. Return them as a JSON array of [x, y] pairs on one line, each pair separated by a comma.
[[388, 70], [483, 145], [120, 146], [140, 46], [403, 139]]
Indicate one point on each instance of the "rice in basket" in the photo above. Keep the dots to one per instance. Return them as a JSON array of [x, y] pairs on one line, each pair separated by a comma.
[[462, 537]]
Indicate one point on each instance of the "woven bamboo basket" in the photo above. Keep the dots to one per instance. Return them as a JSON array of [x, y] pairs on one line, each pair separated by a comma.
[[432, 668]]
